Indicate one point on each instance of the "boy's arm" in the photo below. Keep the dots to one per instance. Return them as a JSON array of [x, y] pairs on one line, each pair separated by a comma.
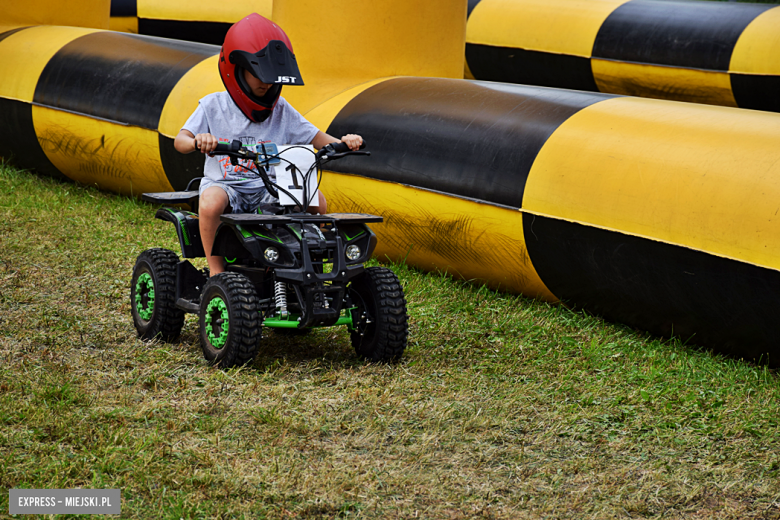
[[321, 139], [185, 142]]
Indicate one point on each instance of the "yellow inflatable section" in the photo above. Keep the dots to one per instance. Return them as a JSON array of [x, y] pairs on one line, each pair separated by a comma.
[[191, 20], [74, 13]]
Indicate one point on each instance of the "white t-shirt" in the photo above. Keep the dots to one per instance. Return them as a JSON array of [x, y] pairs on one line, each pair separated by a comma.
[[219, 116]]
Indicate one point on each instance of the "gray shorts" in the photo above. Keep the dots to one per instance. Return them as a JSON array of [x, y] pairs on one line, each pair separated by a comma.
[[244, 196]]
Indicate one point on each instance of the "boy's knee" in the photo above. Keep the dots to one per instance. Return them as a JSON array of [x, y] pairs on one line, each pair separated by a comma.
[[213, 201]]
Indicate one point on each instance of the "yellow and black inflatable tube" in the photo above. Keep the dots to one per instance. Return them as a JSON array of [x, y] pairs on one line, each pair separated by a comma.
[[190, 20], [706, 52], [657, 214], [101, 107]]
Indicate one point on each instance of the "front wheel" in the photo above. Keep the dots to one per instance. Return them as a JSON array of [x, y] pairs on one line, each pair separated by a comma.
[[230, 320], [379, 318], [153, 295]]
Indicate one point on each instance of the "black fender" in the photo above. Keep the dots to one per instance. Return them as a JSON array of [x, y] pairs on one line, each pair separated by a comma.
[[187, 229]]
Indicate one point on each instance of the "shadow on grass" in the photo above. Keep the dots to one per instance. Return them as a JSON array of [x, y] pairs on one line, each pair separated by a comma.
[[330, 346], [327, 346]]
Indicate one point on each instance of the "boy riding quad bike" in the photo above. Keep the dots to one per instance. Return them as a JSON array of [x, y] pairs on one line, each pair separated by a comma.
[[285, 269]]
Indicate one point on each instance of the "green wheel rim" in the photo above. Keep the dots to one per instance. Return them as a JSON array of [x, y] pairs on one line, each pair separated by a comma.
[[217, 310], [144, 291]]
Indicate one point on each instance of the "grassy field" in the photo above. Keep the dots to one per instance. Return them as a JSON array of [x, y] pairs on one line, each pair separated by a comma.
[[503, 407]]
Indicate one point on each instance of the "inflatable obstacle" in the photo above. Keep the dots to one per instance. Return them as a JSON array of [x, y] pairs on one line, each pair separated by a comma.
[[705, 52], [659, 214]]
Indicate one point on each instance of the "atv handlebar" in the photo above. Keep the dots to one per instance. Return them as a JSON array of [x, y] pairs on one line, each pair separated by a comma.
[[329, 151], [341, 147], [227, 148], [338, 150], [263, 160]]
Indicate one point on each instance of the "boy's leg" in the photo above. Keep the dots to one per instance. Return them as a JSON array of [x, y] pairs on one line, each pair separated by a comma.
[[323, 208], [212, 204]]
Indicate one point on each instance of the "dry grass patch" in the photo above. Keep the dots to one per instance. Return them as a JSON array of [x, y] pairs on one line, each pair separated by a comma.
[[503, 407]]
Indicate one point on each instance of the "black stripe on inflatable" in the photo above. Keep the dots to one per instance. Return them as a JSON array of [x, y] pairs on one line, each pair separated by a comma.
[[524, 67], [18, 141], [179, 168], [699, 35], [466, 138], [115, 76], [124, 8], [6, 34], [203, 32], [716, 302], [756, 92], [472, 4]]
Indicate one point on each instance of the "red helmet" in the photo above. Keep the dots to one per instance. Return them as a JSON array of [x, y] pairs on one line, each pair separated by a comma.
[[260, 46]]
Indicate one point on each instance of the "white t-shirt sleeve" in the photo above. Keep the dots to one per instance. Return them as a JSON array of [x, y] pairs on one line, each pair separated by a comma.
[[197, 123], [298, 129]]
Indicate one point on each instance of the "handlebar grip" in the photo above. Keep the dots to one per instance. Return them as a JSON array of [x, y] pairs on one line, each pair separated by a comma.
[[342, 147], [235, 146]]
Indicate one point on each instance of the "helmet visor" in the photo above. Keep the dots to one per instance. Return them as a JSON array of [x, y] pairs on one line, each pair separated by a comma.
[[274, 64], [268, 101]]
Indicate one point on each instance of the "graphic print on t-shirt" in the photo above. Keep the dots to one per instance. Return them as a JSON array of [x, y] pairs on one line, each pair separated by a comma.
[[244, 169]]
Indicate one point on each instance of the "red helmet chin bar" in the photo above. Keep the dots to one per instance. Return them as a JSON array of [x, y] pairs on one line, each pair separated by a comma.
[[260, 46]]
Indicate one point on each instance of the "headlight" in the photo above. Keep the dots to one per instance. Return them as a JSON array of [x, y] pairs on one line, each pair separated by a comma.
[[271, 254], [353, 252]]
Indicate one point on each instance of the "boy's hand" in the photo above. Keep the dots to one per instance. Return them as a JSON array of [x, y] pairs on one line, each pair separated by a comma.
[[205, 143], [353, 141]]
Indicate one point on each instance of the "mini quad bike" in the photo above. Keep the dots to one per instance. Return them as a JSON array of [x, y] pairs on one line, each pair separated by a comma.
[[286, 270]]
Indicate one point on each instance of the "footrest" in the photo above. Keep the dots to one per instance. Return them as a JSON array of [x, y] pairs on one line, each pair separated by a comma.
[[354, 218], [252, 218], [170, 197], [187, 305]]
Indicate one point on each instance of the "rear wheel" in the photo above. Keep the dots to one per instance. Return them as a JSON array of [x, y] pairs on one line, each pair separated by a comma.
[[153, 295], [379, 320], [230, 321]]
